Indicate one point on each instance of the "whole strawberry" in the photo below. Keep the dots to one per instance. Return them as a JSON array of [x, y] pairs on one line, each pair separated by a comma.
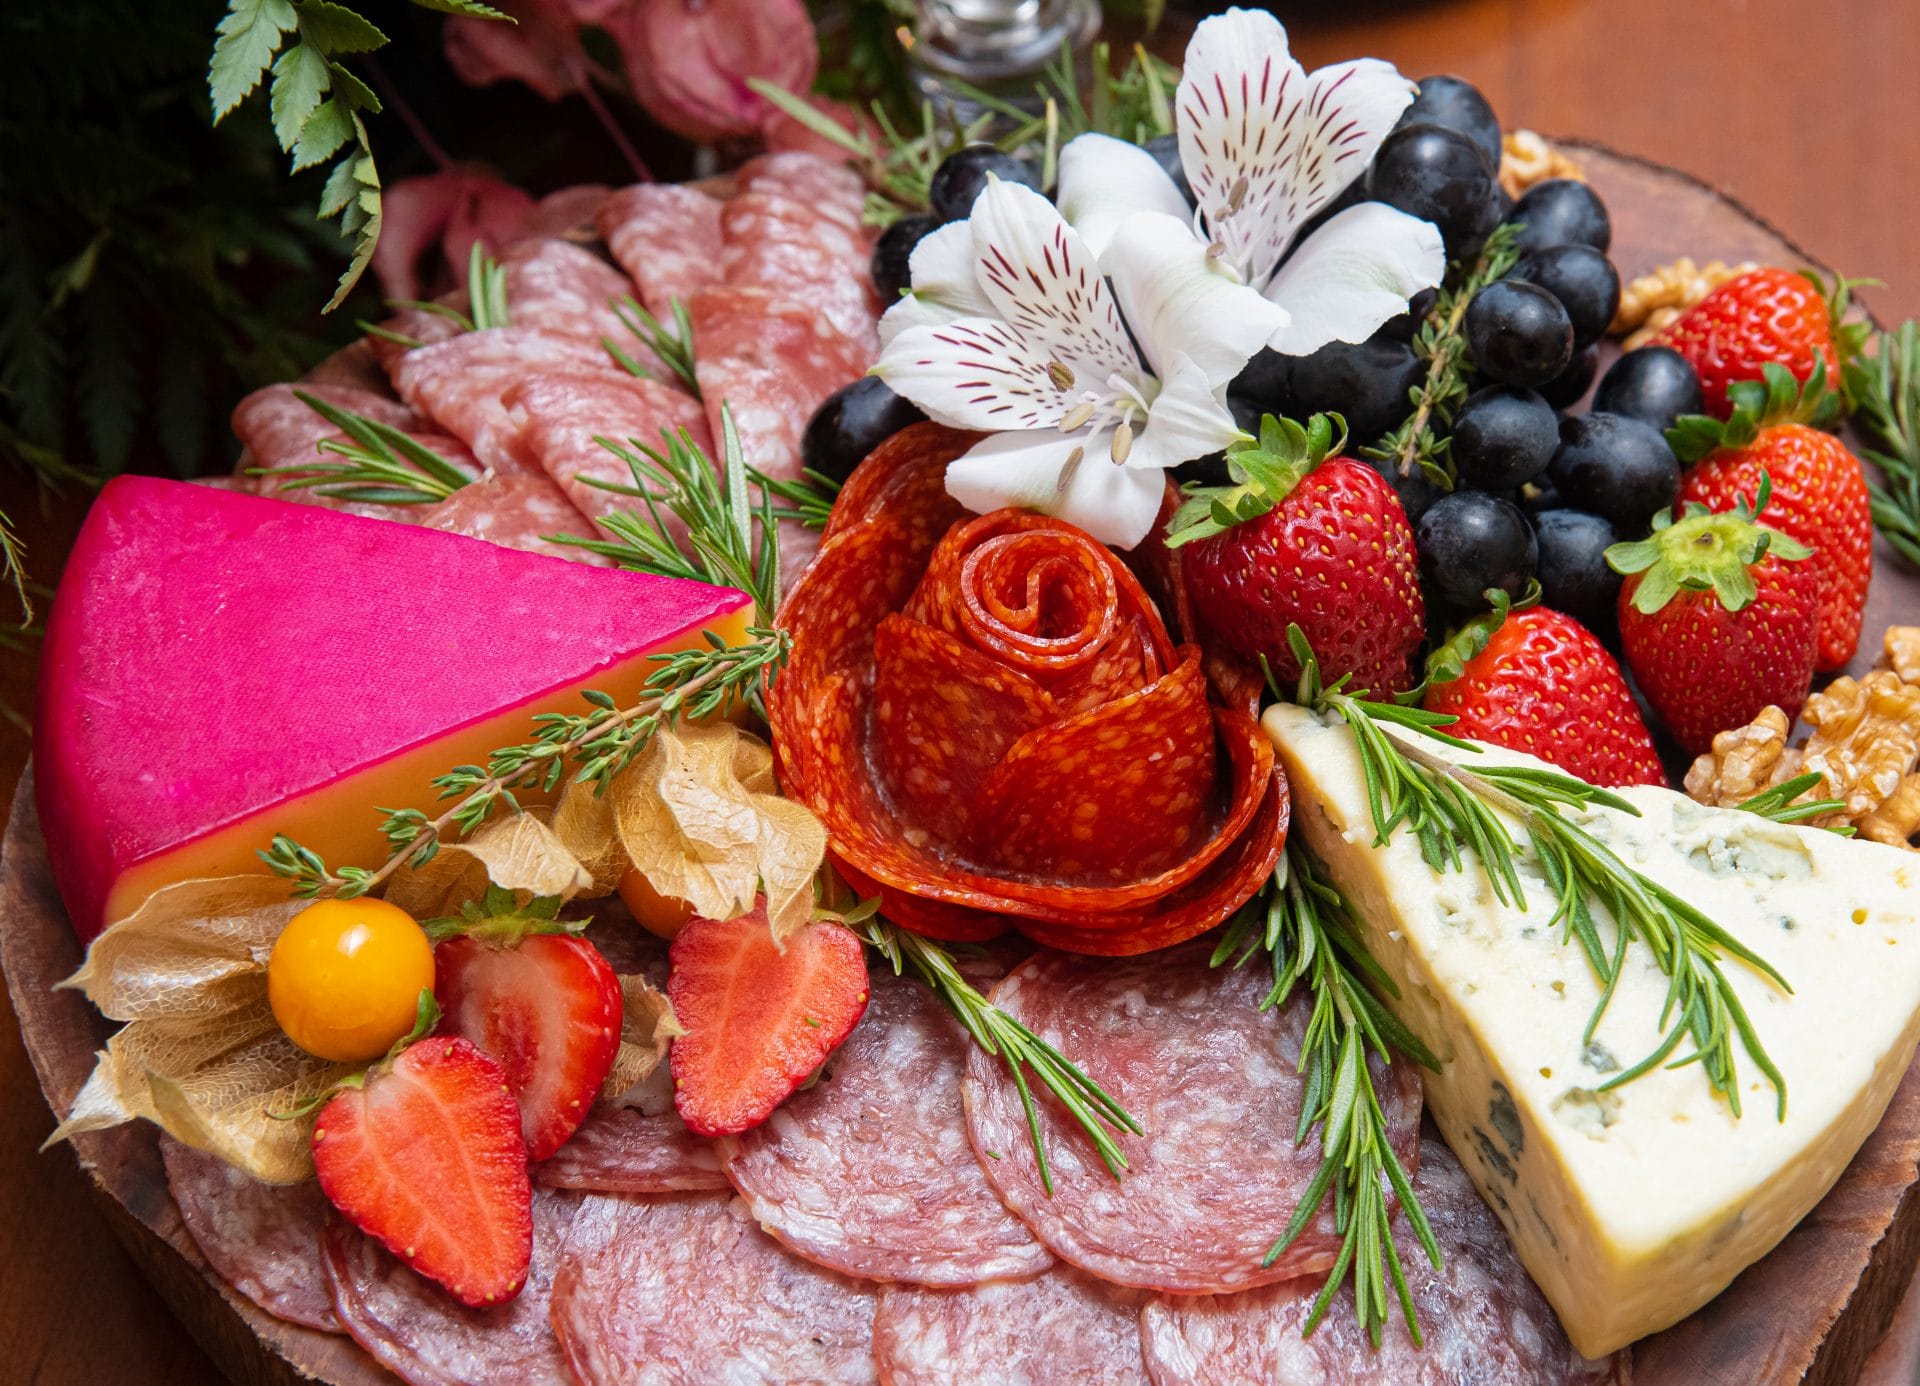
[[1765, 315], [1820, 495], [1540, 682], [1718, 616], [1305, 539]]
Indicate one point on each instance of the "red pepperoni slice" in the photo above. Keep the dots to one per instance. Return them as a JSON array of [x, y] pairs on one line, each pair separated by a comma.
[[425, 1336], [461, 384], [1062, 1326], [561, 413], [626, 1150], [686, 1291], [1211, 1078], [663, 234], [263, 1239], [1481, 1318], [515, 512], [869, 1170]]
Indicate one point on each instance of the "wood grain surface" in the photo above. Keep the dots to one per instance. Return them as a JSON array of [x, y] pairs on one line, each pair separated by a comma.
[[1804, 111]]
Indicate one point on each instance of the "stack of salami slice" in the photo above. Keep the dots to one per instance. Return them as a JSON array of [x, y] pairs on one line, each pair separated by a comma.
[[775, 284], [890, 1222]]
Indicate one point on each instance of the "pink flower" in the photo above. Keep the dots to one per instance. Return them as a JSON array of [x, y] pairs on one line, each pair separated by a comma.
[[458, 208], [542, 49], [688, 61]]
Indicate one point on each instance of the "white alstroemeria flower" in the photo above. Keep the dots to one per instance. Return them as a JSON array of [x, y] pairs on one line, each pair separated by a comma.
[[1265, 146], [1012, 328]]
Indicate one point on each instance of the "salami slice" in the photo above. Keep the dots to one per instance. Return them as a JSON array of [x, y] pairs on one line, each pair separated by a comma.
[[666, 237], [559, 287], [869, 1170], [425, 1336], [561, 413], [515, 512], [687, 1290], [1213, 1081], [1481, 1318], [567, 213], [828, 185], [460, 384], [629, 1151], [263, 1239], [1061, 1326], [415, 326], [282, 431], [355, 364], [772, 240]]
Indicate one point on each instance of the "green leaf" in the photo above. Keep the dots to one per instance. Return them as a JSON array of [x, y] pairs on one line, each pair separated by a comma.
[[338, 29], [249, 36], [472, 9], [341, 188], [299, 82], [349, 89], [327, 129]]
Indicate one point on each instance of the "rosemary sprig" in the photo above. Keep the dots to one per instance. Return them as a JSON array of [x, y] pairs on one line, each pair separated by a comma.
[[383, 465], [597, 744], [1305, 926], [1778, 803], [1885, 391], [672, 345], [999, 1034], [486, 297], [809, 500], [1453, 810], [1441, 346], [720, 521]]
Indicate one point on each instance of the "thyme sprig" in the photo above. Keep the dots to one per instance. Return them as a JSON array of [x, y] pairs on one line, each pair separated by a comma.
[[1441, 346], [596, 745], [672, 345], [1454, 810], [1308, 931], [1885, 390], [1092, 1108], [729, 541], [382, 466]]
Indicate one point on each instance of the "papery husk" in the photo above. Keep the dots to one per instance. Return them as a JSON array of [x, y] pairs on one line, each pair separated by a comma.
[[583, 821], [193, 949], [213, 1083], [700, 818], [518, 853], [648, 1025]]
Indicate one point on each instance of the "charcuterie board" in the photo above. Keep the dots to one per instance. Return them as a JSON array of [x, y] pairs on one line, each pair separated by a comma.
[[1812, 1310]]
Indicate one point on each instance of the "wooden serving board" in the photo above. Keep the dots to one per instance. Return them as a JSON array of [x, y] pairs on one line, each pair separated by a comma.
[[1812, 1311]]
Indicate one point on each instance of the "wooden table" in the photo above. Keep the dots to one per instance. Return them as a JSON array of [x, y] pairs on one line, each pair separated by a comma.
[[1802, 111]]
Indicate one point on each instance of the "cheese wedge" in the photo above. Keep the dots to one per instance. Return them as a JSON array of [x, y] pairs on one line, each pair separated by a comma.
[[220, 667], [1633, 1207]]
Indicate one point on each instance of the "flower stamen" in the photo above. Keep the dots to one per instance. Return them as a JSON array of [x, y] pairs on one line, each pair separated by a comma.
[[1122, 443], [1077, 417], [1074, 459], [1060, 374]]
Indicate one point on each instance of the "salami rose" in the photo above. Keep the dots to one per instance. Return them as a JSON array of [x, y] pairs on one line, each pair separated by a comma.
[[992, 721]]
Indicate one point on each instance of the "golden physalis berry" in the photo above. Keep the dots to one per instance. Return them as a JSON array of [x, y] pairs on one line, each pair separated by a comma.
[[346, 975], [658, 914]]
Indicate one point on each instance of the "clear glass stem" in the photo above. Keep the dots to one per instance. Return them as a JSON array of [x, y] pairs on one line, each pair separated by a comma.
[[999, 45]]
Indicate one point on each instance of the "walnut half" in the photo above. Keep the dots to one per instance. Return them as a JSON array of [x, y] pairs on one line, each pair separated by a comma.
[[1527, 158]]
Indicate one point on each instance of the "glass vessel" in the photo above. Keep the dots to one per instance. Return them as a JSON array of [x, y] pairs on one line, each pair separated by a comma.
[[1000, 46]]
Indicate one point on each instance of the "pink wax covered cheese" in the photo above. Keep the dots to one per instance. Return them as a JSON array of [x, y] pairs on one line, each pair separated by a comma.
[[221, 667]]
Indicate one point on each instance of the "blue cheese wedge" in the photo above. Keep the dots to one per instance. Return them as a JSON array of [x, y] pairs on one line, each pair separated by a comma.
[[1633, 1207]]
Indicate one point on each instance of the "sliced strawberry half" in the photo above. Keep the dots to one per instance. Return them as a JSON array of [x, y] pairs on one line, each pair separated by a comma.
[[758, 1019], [548, 1008], [426, 1155]]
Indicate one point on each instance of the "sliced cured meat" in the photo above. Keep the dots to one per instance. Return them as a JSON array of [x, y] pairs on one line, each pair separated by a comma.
[[1481, 1318], [566, 289], [829, 185], [664, 236], [355, 364], [414, 326], [281, 431], [561, 413], [869, 1170], [772, 360], [567, 213], [687, 1290], [460, 384], [629, 1151], [515, 512], [806, 248], [424, 1335], [264, 1239], [1212, 1080], [1061, 1326]]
